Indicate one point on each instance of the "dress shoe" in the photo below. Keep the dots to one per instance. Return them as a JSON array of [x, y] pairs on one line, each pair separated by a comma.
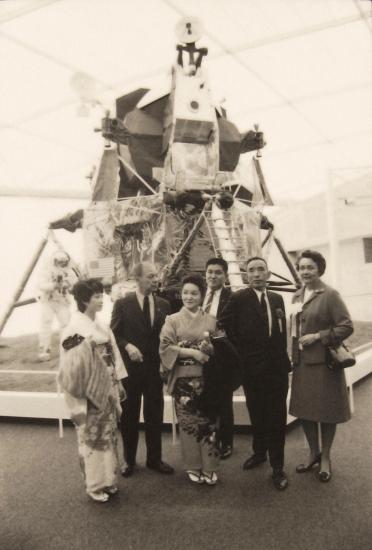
[[302, 468], [127, 471], [325, 476], [253, 461], [161, 467], [225, 451], [280, 480]]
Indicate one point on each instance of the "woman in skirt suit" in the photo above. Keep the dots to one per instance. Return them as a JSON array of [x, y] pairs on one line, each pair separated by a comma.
[[318, 395]]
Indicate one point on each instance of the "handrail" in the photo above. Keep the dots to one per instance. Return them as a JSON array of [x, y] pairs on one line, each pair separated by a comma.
[[58, 392], [363, 347], [19, 371], [357, 350]]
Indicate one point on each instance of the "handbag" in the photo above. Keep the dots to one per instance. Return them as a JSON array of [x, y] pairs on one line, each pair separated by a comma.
[[340, 357]]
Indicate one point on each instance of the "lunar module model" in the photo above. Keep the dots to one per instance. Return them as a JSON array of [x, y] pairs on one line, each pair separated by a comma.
[[171, 187]]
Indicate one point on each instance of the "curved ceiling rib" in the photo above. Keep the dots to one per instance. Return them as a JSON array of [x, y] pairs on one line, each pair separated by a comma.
[[25, 10]]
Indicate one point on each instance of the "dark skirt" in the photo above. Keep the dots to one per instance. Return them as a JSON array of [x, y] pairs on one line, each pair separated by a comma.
[[319, 394]]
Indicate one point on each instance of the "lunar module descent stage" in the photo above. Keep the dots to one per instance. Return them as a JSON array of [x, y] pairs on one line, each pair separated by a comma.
[[171, 188]]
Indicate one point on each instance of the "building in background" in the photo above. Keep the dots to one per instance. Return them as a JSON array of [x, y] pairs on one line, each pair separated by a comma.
[[304, 225]]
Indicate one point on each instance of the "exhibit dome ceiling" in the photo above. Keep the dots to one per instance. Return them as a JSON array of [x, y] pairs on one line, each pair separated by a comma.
[[300, 69]]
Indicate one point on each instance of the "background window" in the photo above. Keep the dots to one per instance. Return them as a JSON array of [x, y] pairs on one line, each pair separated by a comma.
[[367, 245]]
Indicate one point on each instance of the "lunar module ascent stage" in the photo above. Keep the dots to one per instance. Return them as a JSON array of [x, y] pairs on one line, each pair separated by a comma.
[[171, 187]]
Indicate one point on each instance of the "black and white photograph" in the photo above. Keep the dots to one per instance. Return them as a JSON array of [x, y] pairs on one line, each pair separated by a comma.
[[186, 274]]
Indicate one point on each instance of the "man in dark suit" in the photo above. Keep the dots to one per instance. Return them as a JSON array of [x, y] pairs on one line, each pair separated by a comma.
[[216, 298], [136, 323], [254, 320]]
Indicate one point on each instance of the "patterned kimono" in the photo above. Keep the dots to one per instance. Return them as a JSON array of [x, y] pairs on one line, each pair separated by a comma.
[[186, 384], [89, 374]]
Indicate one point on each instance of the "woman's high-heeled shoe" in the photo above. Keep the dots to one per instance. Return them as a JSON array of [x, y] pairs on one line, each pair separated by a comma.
[[302, 468], [324, 477]]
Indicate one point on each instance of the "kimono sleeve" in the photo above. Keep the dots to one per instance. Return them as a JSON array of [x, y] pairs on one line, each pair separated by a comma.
[[78, 408], [120, 370], [169, 349]]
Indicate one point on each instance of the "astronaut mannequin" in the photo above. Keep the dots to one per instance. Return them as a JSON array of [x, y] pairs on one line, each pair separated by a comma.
[[55, 284]]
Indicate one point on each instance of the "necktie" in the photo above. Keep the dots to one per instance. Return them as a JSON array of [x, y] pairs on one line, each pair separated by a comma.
[[208, 304], [146, 311], [265, 314]]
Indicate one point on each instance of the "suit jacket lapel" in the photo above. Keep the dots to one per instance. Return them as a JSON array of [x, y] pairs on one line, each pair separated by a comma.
[[274, 315], [317, 292], [224, 298]]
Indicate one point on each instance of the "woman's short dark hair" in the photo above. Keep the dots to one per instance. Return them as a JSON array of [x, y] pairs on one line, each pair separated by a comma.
[[316, 257], [83, 291], [197, 280]]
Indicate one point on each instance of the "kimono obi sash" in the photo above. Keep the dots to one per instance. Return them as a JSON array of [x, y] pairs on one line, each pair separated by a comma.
[[189, 371]]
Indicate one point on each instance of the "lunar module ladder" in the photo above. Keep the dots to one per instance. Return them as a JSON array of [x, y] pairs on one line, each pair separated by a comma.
[[226, 242]]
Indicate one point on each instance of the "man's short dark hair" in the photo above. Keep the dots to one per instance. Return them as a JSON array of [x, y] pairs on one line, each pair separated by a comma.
[[316, 257], [217, 261], [83, 291], [197, 280], [257, 258]]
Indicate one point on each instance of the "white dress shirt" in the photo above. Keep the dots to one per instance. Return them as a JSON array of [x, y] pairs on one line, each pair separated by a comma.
[[259, 294], [215, 302], [140, 298]]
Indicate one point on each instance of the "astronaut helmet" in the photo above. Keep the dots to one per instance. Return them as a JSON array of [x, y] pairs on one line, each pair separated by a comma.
[[61, 259]]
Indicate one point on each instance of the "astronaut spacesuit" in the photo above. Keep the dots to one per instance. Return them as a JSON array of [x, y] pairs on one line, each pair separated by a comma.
[[55, 284]]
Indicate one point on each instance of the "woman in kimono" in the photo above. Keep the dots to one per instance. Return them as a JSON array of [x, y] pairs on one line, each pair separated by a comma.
[[90, 371], [184, 350]]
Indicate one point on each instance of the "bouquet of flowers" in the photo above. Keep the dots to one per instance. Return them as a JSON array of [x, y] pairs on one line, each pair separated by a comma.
[[193, 344]]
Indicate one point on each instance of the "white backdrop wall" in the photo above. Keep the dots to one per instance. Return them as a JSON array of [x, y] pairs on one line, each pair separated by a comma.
[[23, 224]]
